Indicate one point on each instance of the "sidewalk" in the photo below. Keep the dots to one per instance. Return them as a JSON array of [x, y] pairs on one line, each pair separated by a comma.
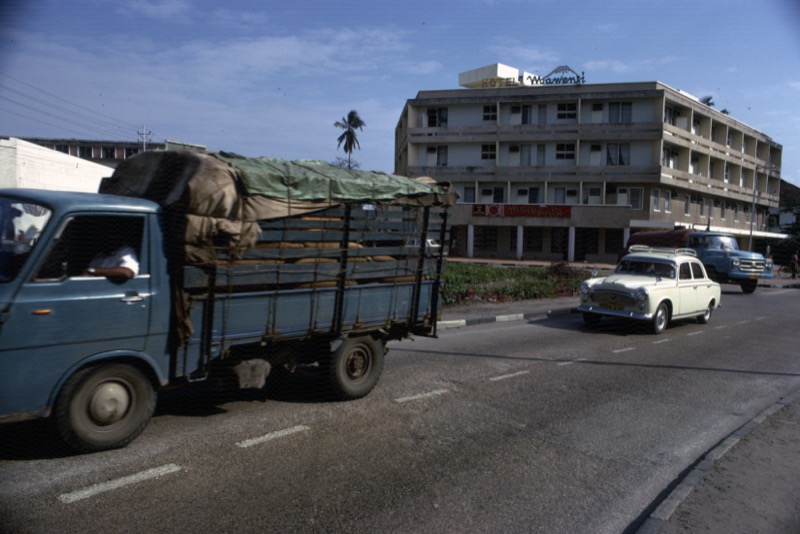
[[748, 483]]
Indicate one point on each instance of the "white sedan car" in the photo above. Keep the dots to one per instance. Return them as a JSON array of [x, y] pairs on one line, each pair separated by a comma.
[[652, 285]]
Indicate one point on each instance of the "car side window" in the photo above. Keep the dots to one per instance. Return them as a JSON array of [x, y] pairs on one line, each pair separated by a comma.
[[686, 272], [697, 270]]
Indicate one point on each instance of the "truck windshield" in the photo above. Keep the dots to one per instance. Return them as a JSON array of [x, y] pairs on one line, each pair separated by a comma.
[[722, 242], [21, 225]]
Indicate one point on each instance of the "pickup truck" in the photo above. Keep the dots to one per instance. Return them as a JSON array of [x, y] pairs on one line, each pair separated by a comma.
[[719, 252], [245, 267]]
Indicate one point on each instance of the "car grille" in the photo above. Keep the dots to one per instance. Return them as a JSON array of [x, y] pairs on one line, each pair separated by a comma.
[[613, 299]]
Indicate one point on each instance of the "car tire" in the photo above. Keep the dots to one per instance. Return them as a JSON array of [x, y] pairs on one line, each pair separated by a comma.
[[591, 319], [660, 318], [705, 317], [749, 286]]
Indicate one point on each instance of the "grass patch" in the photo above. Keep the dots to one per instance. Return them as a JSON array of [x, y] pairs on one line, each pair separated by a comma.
[[468, 282]]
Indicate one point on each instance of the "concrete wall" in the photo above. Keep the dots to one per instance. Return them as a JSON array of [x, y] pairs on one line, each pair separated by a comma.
[[26, 165]]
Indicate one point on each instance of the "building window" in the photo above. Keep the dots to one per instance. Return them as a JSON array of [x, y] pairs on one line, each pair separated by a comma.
[[667, 202], [565, 151], [85, 152], [62, 148], [636, 197], [533, 195], [592, 195], [437, 117], [498, 194], [488, 151], [568, 110], [710, 207], [469, 194], [669, 158], [722, 210], [109, 152], [489, 113], [619, 112], [618, 154], [656, 200], [130, 152], [736, 212], [687, 205], [670, 114], [441, 156]]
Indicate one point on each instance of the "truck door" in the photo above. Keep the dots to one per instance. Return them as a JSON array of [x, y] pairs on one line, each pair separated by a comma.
[[60, 316]]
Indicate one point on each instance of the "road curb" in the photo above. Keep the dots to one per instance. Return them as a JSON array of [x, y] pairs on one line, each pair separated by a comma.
[[659, 517], [460, 323]]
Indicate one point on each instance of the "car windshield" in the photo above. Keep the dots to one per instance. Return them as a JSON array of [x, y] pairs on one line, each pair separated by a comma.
[[644, 267], [21, 224]]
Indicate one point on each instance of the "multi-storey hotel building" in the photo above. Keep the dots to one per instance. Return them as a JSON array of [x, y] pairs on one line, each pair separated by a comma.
[[557, 169]]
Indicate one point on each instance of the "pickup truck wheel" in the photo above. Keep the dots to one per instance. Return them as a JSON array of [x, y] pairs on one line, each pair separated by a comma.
[[104, 407], [660, 318], [706, 316], [748, 286], [354, 368]]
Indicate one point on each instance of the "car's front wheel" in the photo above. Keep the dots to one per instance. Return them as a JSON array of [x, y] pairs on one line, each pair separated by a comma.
[[660, 318]]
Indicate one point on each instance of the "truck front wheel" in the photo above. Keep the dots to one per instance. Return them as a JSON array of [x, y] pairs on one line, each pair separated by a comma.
[[104, 407], [748, 286], [354, 368]]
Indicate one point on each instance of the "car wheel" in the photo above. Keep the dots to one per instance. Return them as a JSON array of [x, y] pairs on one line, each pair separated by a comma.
[[706, 316], [661, 318], [104, 407], [591, 319]]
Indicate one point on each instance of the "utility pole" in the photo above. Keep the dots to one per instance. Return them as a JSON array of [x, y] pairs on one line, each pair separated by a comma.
[[144, 134]]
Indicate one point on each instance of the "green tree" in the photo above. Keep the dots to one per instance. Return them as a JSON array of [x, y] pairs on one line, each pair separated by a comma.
[[349, 138]]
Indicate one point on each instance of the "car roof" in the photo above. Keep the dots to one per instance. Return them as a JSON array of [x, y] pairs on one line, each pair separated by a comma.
[[645, 253]]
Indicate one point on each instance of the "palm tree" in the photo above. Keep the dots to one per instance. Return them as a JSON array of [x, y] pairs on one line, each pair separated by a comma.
[[350, 124]]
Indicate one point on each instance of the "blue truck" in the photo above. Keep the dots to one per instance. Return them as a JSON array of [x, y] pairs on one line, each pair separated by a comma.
[[724, 261], [247, 268]]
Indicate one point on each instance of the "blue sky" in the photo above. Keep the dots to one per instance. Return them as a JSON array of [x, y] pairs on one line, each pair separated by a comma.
[[266, 78]]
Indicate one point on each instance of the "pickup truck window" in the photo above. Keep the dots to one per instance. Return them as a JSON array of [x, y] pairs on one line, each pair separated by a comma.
[[21, 224], [84, 238]]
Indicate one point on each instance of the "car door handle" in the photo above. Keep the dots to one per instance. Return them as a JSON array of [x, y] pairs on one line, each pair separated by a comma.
[[130, 299]]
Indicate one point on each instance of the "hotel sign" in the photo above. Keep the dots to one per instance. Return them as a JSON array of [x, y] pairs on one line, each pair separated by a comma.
[[559, 76], [521, 210]]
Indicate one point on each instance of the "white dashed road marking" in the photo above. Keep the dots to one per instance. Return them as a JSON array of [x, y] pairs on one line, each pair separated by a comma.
[[433, 393], [626, 349], [119, 483], [512, 375], [272, 435]]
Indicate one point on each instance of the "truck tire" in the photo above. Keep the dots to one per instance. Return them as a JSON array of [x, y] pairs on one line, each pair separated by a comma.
[[660, 318], [355, 367], [104, 407], [748, 286]]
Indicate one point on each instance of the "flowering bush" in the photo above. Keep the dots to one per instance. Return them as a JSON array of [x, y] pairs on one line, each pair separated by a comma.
[[471, 282]]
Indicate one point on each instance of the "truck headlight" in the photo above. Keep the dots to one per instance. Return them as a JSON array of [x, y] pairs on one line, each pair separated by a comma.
[[735, 262]]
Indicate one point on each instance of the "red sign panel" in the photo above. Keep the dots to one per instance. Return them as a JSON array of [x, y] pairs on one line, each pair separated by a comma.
[[520, 210]]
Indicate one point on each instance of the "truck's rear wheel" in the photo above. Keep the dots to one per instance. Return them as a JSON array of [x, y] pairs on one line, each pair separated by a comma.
[[355, 367], [748, 286], [104, 407]]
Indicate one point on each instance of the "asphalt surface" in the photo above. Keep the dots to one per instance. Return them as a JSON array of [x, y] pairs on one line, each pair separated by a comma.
[[742, 452]]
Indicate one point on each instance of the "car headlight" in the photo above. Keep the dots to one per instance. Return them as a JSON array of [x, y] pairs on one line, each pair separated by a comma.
[[641, 297], [585, 291]]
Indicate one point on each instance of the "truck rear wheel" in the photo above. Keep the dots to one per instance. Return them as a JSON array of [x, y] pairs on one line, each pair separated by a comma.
[[355, 367], [104, 407]]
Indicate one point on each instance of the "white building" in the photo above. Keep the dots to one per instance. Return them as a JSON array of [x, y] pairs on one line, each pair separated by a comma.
[[550, 167], [27, 165]]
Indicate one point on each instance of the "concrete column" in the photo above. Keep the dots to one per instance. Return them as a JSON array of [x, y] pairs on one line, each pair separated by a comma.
[[520, 235], [571, 245], [626, 234], [470, 240]]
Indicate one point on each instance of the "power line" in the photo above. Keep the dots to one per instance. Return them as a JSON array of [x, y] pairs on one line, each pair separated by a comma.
[[74, 115]]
